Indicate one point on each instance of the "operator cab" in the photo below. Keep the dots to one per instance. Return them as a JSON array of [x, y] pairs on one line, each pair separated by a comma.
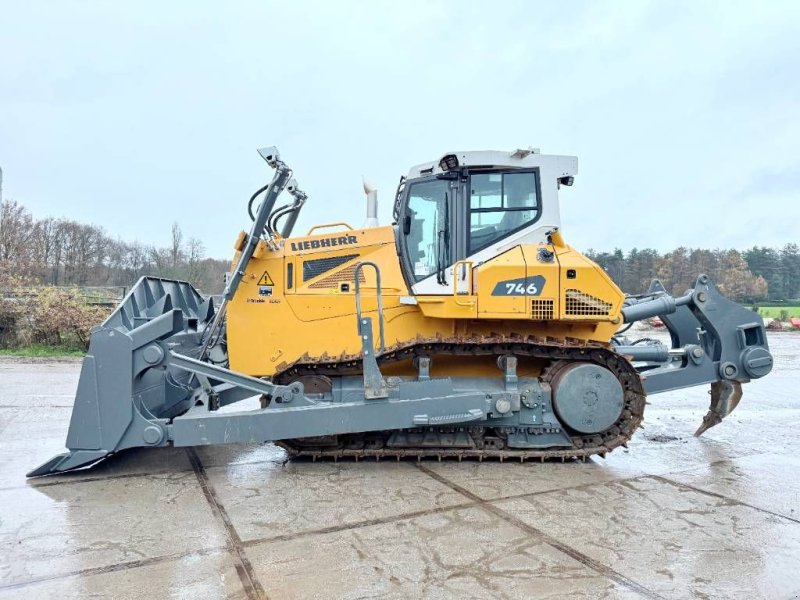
[[474, 206]]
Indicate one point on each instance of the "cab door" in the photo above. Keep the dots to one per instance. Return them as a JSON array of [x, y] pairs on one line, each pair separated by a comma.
[[463, 216], [429, 233]]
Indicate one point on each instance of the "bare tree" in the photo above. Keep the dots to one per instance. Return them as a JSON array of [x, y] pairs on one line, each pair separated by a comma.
[[16, 227], [137, 262], [195, 250], [176, 248], [161, 261], [43, 242]]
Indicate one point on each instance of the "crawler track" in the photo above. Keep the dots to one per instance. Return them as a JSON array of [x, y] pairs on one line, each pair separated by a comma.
[[488, 443]]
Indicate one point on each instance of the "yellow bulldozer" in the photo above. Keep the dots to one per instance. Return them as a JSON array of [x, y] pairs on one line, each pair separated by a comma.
[[468, 328]]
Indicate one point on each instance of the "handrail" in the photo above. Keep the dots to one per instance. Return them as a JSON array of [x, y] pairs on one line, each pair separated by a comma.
[[356, 273], [339, 224], [468, 264]]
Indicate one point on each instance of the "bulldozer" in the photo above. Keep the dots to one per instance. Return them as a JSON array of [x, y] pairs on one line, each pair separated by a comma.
[[466, 329]]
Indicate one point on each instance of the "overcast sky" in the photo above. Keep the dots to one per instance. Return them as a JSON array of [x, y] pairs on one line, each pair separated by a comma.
[[685, 116]]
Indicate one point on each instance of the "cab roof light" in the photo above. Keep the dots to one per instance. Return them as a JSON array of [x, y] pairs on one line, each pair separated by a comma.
[[567, 180], [449, 162]]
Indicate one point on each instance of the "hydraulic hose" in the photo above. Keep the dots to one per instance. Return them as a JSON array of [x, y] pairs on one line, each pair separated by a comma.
[[277, 214], [255, 195]]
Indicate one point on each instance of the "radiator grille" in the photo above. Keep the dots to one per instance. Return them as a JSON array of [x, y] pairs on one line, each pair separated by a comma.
[[343, 276], [579, 304], [542, 310]]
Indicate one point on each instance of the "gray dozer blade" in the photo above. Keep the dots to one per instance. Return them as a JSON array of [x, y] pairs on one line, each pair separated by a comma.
[[105, 418]]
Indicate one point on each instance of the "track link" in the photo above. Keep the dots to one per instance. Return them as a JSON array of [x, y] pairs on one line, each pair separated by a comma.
[[489, 442]]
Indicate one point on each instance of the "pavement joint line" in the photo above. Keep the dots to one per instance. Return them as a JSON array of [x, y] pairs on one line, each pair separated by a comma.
[[564, 489], [123, 566], [244, 569], [358, 524], [420, 513], [582, 558], [722, 497]]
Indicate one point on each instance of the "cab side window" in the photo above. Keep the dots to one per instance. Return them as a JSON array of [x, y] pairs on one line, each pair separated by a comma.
[[426, 214], [500, 203]]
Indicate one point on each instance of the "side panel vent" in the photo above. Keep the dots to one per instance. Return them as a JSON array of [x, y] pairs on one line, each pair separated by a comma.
[[579, 304], [318, 266], [542, 310], [334, 279]]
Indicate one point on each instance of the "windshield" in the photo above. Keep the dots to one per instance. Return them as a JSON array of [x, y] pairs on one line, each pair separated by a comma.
[[427, 243]]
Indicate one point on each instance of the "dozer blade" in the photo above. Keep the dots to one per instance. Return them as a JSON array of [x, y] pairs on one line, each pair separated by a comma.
[[120, 403], [725, 396], [68, 461]]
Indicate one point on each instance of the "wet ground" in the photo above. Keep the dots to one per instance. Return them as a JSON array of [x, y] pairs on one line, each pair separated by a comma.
[[671, 517]]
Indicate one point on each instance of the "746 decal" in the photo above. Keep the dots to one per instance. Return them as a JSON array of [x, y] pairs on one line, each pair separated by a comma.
[[524, 286]]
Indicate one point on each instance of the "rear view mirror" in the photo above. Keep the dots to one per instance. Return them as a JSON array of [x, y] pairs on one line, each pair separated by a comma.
[[406, 224]]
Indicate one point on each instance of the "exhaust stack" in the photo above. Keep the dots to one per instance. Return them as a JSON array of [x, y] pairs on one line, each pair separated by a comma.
[[372, 204]]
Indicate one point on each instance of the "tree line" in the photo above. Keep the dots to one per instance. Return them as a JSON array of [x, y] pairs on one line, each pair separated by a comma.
[[754, 275], [66, 252], [61, 251]]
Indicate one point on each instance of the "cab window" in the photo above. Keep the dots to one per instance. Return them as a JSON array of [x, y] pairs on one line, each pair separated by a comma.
[[426, 240], [500, 203]]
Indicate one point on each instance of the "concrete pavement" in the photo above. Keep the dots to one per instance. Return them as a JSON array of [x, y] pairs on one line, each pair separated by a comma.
[[671, 517]]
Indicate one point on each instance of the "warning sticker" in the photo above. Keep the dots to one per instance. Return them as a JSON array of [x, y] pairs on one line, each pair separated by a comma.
[[265, 279]]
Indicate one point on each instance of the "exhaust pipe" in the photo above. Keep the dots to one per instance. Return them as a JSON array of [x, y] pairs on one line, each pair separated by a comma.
[[372, 204]]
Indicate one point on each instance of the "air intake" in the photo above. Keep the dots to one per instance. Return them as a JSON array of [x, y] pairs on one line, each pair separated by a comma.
[[318, 266], [542, 310], [579, 304]]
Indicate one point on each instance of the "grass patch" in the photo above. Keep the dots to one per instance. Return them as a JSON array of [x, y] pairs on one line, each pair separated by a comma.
[[774, 312], [42, 351]]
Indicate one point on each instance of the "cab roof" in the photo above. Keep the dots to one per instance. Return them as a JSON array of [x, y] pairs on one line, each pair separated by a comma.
[[494, 159]]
